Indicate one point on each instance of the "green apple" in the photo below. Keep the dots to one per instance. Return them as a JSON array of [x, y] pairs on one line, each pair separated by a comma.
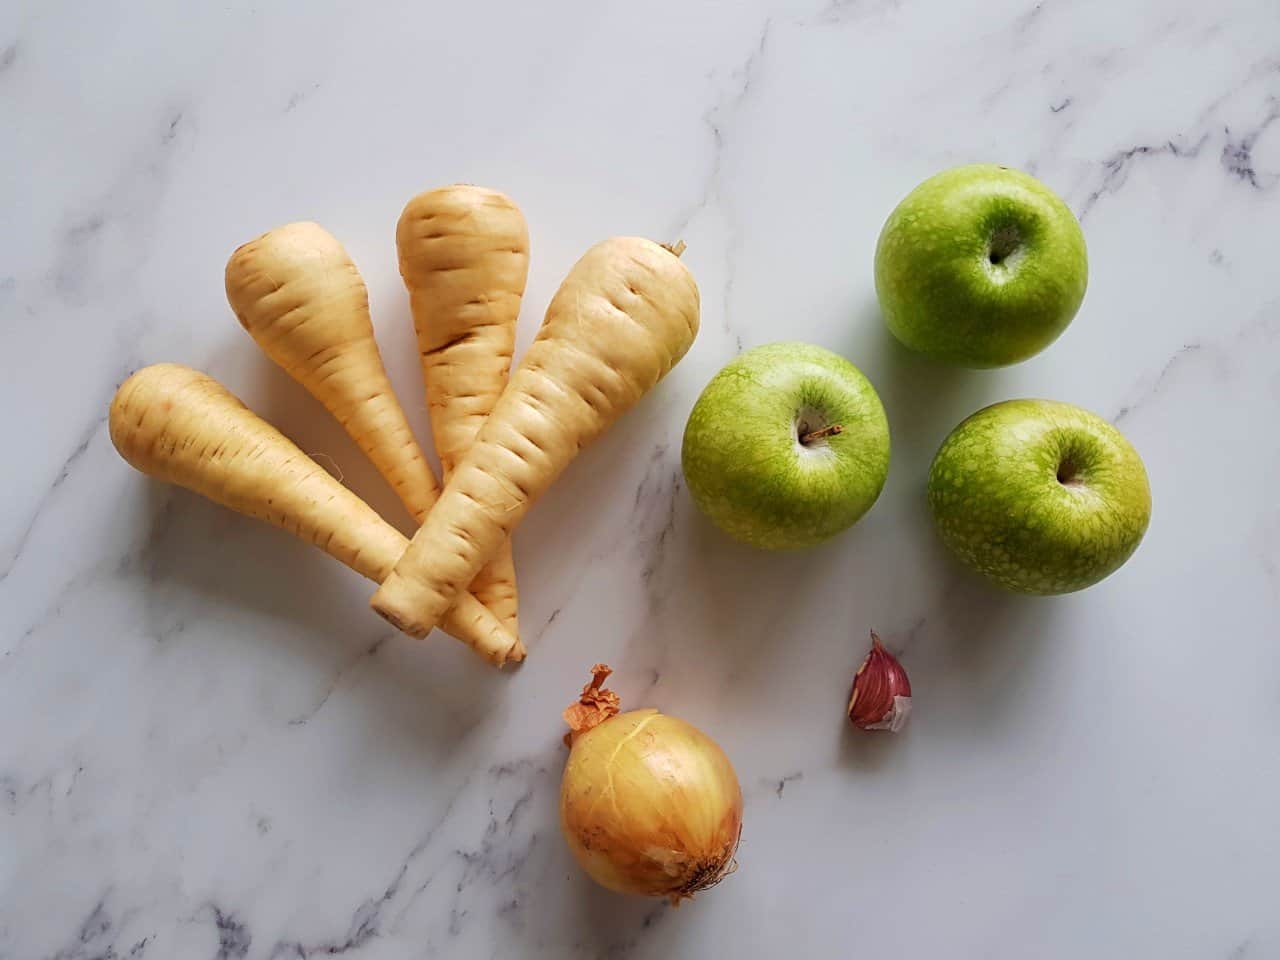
[[980, 266], [787, 446], [1041, 497]]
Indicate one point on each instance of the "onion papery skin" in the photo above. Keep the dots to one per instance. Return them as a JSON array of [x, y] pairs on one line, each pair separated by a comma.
[[650, 805]]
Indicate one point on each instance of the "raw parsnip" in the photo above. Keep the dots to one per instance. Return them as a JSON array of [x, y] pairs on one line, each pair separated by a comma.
[[298, 294], [182, 426], [302, 300], [464, 257], [625, 314]]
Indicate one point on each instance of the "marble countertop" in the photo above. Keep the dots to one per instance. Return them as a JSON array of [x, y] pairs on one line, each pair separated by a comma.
[[212, 749]]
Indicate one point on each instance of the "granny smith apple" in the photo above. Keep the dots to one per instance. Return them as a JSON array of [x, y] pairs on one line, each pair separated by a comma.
[[980, 266], [1041, 497], [787, 446]]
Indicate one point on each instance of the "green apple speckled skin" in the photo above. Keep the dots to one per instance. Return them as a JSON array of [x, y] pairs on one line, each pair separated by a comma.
[[747, 467], [980, 266], [1040, 497]]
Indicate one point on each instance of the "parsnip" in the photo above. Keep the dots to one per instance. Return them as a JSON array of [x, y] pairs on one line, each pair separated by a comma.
[[464, 258], [181, 426], [301, 298], [625, 314]]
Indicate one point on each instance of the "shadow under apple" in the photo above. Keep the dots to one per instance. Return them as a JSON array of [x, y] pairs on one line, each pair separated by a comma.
[[980, 651], [971, 656]]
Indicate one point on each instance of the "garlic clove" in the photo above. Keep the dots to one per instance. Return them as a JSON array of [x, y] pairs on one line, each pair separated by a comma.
[[881, 694]]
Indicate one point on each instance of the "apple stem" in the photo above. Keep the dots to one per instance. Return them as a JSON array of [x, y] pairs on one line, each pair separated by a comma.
[[676, 248], [830, 430]]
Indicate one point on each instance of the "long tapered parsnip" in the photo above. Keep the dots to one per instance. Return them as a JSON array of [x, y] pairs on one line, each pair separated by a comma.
[[301, 298], [182, 426], [464, 257], [625, 314]]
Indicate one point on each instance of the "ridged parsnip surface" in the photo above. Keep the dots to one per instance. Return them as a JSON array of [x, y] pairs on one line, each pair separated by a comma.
[[624, 315], [183, 427], [464, 258]]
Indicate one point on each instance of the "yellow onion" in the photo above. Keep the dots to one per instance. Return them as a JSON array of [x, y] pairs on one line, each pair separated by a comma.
[[649, 804]]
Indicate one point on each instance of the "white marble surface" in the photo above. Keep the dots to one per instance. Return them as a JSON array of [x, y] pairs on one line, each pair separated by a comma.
[[212, 749]]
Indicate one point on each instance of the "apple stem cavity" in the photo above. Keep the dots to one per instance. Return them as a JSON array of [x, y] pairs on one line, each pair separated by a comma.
[[808, 437], [1003, 244]]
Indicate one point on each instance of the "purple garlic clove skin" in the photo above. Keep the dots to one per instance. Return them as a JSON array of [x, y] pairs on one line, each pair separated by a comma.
[[881, 695]]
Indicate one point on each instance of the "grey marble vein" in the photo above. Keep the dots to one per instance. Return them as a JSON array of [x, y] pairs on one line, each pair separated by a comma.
[[98, 938], [234, 938], [64, 471], [343, 670], [125, 212], [1115, 168], [299, 96], [781, 785], [717, 120], [1185, 352], [1237, 152]]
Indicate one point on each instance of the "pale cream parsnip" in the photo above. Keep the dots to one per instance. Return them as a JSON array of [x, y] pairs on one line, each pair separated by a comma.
[[622, 318], [464, 258], [303, 301], [301, 298], [181, 426]]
